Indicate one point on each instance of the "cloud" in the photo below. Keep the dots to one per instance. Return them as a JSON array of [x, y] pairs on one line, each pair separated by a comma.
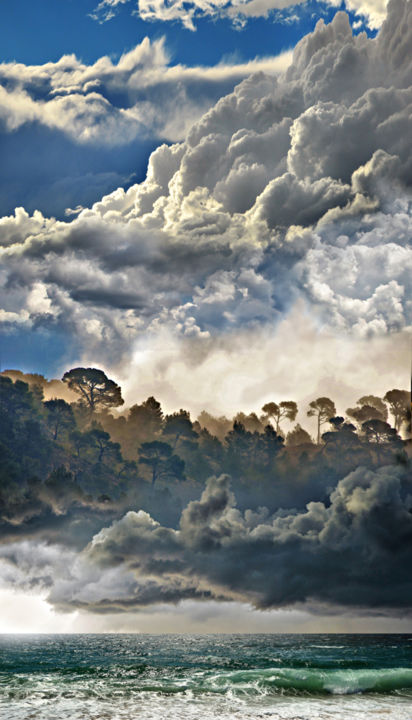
[[109, 103], [242, 370], [373, 11], [98, 123], [351, 552], [268, 251], [291, 194], [107, 9]]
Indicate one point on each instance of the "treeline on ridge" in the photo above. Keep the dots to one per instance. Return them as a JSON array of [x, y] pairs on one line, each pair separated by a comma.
[[58, 455]]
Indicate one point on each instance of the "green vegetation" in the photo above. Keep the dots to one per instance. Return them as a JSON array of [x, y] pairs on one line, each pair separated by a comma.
[[59, 457]]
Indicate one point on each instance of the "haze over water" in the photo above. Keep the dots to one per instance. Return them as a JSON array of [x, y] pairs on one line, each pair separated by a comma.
[[122, 677]]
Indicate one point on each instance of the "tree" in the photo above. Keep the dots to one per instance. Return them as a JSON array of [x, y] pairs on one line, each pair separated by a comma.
[[343, 434], [369, 407], [250, 422], [211, 449], [286, 409], [364, 413], [16, 400], [298, 436], [375, 402], [399, 404], [240, 445], [381, 433], [94, 387], [59, 416], [147, 417], [160, 458], [79, 440], [269, 445], [323, 409], [61, 490], [104, 444], [179, 425], [217, 426]]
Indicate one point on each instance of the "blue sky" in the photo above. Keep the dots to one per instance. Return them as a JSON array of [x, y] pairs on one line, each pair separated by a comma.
[[43, 30], [73, 133], [206, 218]]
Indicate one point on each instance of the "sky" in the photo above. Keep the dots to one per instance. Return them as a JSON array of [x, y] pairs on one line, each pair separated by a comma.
[[211, 201]]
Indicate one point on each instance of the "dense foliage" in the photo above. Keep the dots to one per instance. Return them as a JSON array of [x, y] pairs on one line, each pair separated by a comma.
[[59, 457]]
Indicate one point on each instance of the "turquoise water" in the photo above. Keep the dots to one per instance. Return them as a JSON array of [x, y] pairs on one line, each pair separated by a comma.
[[122, 677]]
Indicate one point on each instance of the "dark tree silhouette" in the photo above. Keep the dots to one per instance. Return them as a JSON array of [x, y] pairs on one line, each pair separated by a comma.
[[60, 490], [240, 446], [399, 403], [94, 387], [376, 402], [369, 407], [343, 435], [217, 426], [179, 425], [364, 413], [298, 436], [104, 445], [286, 409], [149, 415], [323, 409], [381, 434], [59, 416], [269, 445], [251, 422], [160, 458], [80, 441], [16, 400]]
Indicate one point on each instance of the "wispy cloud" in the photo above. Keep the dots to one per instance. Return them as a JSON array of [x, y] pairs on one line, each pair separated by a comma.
[[96, 124], [240, 11]]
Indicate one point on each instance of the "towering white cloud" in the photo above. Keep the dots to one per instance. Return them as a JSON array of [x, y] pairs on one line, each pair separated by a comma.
[[292, 191], [266, 252], [96, 124]]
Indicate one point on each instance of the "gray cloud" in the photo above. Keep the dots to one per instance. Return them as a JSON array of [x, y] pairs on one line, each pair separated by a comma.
[[279, 229], [352, 552], [291, 189]]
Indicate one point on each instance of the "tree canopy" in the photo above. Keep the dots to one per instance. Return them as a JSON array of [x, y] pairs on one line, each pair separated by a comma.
[[94, 388], [55, 455], [323, 409], [399, 404], [286, 409]]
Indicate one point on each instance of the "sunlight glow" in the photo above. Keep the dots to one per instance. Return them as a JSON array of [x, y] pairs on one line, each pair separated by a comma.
[[24, 613]]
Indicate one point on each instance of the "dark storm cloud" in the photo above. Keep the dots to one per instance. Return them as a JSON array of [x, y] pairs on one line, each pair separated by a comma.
[[54, 511], [289, 188], [354, 551]]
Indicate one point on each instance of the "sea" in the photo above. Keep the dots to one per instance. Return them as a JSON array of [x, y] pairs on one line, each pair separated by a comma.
[[282, 677]]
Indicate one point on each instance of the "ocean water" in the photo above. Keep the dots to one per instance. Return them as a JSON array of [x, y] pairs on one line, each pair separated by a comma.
[[142, 677]]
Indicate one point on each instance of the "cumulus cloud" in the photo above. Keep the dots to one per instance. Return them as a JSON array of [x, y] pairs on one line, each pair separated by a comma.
[[97, 123], [291, 195], [110, 103], [279, 186], [352, 552], [239, 12], [266, 251]]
